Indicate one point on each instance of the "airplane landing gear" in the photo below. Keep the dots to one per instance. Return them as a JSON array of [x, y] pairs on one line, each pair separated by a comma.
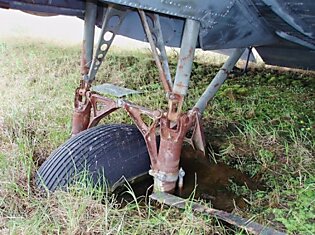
[[165, 135]]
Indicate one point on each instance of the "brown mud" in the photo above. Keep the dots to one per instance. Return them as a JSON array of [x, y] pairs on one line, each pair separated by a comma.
[[203, 180]]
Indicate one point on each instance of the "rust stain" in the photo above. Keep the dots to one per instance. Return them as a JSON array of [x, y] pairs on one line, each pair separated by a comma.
[[181, 85], [190, 54], [81, 118], [225, 70], [84, 67]]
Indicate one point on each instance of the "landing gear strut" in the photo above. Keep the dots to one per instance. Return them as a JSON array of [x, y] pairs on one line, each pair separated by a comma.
[[172, 124]]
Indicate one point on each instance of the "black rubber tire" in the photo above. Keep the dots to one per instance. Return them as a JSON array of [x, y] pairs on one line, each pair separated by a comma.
[[111, 150]]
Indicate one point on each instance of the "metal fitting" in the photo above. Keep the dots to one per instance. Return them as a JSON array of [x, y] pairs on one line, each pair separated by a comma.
[[163, 176], [163, 182], [181, 174]]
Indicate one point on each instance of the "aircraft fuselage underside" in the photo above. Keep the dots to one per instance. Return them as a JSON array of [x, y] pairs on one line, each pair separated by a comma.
[[281, 31]]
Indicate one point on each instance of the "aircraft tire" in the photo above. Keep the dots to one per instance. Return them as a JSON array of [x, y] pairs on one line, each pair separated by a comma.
[[111, 151]]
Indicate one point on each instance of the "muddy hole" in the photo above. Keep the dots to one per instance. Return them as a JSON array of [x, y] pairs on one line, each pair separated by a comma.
[[203, 180]]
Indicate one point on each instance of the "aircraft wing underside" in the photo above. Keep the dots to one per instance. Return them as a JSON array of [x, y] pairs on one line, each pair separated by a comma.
[[282, 31]]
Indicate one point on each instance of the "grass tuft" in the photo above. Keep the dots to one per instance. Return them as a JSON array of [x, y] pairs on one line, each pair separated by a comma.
[[261, 123]]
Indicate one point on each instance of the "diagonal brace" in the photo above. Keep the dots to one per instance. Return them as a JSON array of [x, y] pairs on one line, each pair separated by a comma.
[[219, 79]]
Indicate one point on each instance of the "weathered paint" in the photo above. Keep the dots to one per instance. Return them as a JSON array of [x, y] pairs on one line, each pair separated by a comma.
[[224, 24], [248, 225]]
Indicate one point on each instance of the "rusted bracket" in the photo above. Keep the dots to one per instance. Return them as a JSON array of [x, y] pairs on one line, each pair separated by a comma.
[[247, 225], [175, 105], [148, 131], [101, 107], [82, 109], [197, 139]]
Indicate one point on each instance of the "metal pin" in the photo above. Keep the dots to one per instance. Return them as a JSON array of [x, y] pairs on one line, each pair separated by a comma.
[[181, 175]]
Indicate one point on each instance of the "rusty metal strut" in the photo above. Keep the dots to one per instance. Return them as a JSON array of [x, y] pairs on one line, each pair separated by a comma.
[[82, 108], [165, 82]]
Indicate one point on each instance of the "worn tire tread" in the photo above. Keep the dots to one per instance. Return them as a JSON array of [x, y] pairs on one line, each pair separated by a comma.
[[116, 149]]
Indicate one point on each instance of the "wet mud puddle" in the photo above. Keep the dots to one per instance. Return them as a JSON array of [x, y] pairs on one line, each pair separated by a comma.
[[204, 180]]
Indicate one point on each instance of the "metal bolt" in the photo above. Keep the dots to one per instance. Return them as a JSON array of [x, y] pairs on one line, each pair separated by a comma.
[[181, 175], [172, 96]]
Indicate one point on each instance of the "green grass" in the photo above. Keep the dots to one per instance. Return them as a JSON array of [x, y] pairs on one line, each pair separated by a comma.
[[261, 123]]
